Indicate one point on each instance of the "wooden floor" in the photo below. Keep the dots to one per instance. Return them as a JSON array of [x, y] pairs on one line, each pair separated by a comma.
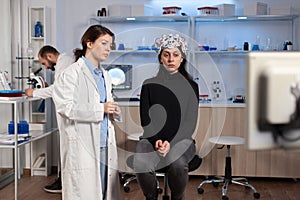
[[31, 188]]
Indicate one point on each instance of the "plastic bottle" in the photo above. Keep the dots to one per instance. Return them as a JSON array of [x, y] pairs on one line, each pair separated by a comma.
[[38, 29], [246, 46]]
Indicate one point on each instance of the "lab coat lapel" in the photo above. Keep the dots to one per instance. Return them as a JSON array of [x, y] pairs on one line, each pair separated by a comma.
[[88, 73]]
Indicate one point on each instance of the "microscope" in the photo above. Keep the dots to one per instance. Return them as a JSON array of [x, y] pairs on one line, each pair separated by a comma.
[[34, 79]]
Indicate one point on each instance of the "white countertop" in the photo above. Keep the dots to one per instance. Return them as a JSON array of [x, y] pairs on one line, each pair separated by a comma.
[[201, 105]]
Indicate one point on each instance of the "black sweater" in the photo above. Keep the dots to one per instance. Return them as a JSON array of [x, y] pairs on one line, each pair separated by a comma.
[[169, 108]]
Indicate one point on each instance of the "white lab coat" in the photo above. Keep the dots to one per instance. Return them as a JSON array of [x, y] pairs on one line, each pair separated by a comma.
[[77, 102], [62, 62]]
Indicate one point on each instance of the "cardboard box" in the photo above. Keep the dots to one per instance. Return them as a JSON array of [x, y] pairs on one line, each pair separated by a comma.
[[141, 10], [283, 10], [255, 8], [226, 9], [119, 10]]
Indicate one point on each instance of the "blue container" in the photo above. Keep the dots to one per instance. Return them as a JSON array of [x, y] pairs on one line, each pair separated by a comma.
[[11, 127], [22, 127], [38, 29]]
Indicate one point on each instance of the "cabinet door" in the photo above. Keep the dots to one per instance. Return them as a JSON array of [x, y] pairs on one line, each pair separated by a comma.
[[201, 136], [130, 125], [284, 163], [278, 163]]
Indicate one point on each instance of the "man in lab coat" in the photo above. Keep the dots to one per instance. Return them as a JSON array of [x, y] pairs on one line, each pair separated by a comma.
[[51, 59]]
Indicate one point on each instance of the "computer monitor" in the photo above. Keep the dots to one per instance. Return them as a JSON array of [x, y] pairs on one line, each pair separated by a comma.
[[273, 100], [121, 75]]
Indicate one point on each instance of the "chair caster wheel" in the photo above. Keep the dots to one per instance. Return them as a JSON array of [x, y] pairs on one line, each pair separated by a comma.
[[256, 195], [126, 189], [200, 190], [160, 191], [215, 184], [225, 198]]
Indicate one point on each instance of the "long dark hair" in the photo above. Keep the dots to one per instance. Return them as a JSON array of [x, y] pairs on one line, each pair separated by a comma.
[[91, 35], [181, 69]]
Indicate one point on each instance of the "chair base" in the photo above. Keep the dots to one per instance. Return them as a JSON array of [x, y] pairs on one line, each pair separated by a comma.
[[237, 180], [126, 181]]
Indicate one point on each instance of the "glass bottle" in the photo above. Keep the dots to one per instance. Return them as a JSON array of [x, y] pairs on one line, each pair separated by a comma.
[[38, 29]]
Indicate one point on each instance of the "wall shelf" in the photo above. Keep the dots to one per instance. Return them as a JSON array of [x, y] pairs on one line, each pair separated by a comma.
[[217, 31], [38, 38], [133, 51], [132, 19], [245, 18]]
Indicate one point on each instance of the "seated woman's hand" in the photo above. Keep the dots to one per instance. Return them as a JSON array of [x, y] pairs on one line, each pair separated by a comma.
[[162, 148]]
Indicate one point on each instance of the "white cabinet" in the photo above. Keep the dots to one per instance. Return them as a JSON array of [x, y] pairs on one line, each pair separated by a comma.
[[40, 110], [225, 32], [227, 63], [16, 141], [36, 41], [38, 14]]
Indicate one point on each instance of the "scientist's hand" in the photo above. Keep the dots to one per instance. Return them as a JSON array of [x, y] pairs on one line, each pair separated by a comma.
[[111, 108], [29, 92], [117, 112], [162, 148]]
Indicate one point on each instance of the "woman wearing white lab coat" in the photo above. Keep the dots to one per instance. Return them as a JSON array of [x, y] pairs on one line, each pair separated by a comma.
[[77, 102]]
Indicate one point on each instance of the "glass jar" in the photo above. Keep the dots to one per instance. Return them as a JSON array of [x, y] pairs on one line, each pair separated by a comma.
[[38, 29]]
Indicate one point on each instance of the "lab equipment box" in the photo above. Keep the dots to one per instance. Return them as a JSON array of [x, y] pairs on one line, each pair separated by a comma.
[[226, 9], [255, 8]]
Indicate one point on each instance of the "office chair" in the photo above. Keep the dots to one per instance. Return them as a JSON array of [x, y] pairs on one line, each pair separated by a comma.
[[227, 179], [193, 165]]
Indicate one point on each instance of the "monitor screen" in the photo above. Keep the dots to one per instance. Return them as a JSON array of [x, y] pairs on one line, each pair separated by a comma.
[[273, 100], [121, 75]]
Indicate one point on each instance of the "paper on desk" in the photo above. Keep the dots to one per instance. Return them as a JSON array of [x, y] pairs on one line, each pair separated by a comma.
[[10, 138]]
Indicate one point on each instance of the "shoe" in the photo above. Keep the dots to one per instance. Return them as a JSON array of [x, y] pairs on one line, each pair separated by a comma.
[[54, 187]]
